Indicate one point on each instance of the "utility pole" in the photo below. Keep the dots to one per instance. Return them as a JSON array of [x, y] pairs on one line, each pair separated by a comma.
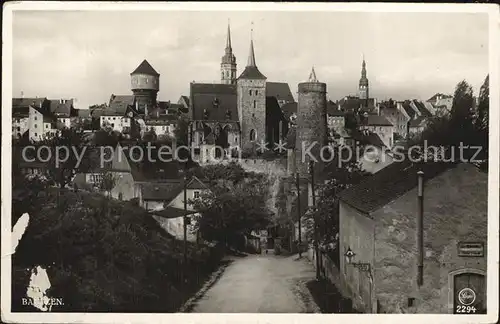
[[298, 213], [316, 229]]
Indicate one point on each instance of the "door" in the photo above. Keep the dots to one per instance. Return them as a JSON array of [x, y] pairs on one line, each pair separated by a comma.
[[469, 291]]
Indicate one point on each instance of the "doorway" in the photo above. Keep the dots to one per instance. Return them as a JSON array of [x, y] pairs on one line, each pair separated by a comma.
[[468, 292]]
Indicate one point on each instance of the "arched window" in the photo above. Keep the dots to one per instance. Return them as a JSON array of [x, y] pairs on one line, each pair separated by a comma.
[[222, 74], [254, 104], [256, 92], [250, 92], [252, 135]]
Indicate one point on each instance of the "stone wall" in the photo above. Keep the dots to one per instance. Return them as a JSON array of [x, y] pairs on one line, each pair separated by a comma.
[[455, 209]]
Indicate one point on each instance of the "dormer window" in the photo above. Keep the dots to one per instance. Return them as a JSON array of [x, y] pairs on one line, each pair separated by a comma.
[[205, 114], [216, 102]]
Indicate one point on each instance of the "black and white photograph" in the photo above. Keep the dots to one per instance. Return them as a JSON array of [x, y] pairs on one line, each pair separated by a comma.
[[201, 160]]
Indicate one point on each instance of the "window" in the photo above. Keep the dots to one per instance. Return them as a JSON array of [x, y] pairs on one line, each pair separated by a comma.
[[196, 194], [254, 104], [256, 92], [250, 92], [120, 196], [46, 125], [36, 125], [36, 134], [147, 80], [252, 135], [35, 117], [222, 75]]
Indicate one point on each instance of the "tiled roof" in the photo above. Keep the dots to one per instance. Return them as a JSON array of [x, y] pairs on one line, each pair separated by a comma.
[[145, 68], [417, 122], [24, 103], [421, 107], [118, 104], [353, 103], [368, 139], [332, 109], [61, 107], [408, 109], [186, 99], [376, 120], [443, 96], [289, 109], [83, 113], [161, 191], [389, 184], [279, 90], [171, 212], [216, 99], [251, 72]]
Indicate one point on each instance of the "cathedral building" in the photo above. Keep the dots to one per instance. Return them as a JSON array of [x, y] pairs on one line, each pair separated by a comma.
[[238, 111]]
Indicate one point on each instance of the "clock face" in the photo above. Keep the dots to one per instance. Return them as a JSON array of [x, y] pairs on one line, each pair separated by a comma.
[[130, 114]]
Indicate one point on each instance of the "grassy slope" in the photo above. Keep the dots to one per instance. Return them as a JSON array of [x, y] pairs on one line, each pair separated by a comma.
[[105, 255]]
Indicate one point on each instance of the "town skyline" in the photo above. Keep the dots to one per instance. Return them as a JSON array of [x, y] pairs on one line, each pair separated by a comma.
[[81, 49]]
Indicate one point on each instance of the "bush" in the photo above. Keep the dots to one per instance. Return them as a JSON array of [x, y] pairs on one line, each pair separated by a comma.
[[105, 255]]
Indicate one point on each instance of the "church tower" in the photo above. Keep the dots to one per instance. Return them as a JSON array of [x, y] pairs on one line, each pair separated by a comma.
[[251, 91], [363, 83], [228, 62]]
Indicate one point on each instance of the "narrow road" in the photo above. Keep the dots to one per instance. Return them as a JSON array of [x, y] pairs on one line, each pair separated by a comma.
[[261, 284]]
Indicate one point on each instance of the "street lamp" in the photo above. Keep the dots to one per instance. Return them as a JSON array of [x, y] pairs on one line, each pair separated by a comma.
[[362, 266]]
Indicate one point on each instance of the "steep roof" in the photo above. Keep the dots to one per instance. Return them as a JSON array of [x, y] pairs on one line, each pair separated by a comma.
[[417, 122], [332, 109], [376, 120], [61, 107], [279, 90], [421, 107], [251, 72], [171, 212], [408, 109], [118, 104], [83, 113], [443, 96], [216, 99], [389, 184], [289, 109], [164, 191], [351, 103], [145, 68]]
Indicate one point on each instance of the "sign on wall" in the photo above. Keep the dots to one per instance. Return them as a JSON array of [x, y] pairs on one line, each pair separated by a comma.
[[470, 249]]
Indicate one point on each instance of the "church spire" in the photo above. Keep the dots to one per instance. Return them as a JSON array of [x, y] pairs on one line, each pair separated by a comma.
[[363, 82], [228, 40], [251, 55], [228, 62]]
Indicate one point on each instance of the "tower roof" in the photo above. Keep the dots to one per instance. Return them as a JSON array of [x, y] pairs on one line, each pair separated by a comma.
[[228, 55], [312, 76], [251, 71], [145, 68], [251, 55]]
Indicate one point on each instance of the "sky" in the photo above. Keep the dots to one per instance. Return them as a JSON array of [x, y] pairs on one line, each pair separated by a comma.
[[89, 55]]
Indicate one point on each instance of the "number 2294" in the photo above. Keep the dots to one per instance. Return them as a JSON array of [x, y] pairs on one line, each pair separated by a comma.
[[465, 309]]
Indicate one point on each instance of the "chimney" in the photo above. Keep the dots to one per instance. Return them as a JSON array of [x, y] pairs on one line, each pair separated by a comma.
[[420, 229]]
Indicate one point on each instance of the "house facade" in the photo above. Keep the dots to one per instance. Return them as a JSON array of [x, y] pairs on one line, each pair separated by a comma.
[[378, 223]]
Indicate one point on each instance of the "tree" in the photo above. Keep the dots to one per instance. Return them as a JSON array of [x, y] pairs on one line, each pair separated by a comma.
[[181, 131], [229, 212], [481, 122], [340, 177], [65, 148], [462, 114]]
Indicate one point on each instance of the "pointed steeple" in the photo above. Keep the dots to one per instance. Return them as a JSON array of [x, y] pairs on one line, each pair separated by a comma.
[[251, 54], [251, 71], [312, 76], [228, 40]]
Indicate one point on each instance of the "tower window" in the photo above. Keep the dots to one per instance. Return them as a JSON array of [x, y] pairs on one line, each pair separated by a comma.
[[252, 135], [254, 104], [250, 92], [256, 92]]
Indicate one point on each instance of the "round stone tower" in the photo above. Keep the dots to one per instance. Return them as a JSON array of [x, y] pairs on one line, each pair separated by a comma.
[[145, 82], [311, 126]]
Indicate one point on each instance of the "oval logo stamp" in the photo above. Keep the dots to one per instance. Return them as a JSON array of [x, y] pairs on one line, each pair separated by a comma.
[[466, 296]]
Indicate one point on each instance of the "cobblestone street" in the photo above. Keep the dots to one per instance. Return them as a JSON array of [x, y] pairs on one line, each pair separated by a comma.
[[261, 284]]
